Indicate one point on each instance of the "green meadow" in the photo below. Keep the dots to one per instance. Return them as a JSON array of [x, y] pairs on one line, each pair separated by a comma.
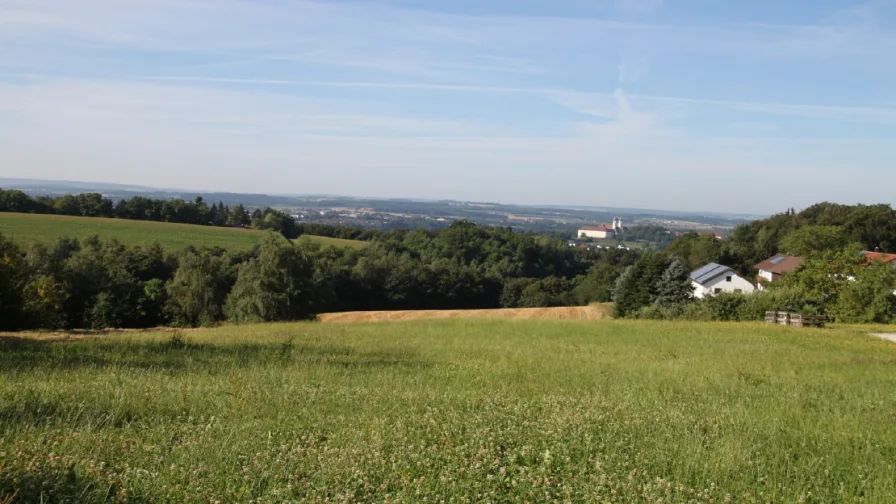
[[451, 411], [46, 229], [337, 242]]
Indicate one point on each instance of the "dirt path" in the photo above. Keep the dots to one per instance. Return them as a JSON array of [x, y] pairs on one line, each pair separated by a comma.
[[889, 337], [592, 312]]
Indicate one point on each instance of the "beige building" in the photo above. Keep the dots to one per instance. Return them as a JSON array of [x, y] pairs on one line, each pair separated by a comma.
[[599, 232]]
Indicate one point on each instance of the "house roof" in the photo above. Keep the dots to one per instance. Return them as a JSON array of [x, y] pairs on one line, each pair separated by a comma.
[[780, 264], [710, 272], [879, 256], [597, 228]]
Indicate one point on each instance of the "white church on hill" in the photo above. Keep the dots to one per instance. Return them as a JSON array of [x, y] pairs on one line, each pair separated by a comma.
[[603, 231]]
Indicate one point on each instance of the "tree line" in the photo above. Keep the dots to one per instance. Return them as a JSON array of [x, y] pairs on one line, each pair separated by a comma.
[[173, 210]]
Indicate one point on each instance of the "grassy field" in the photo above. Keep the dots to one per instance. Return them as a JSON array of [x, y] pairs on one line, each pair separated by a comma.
[[24, 228], [337, 242], [48, 228], [452, 411]]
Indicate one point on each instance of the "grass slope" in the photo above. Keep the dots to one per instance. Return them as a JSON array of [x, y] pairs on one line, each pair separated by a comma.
[[452, 411], [24, 228], [337, 242], [48, 228]]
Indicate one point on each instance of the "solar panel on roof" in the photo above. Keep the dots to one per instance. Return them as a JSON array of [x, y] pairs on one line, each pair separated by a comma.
[[777, 260], [708, 272], [704, 270]]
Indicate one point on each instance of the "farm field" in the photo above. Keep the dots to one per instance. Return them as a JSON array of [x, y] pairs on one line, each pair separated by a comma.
[[25, 228], [451, 411], [593, 312]]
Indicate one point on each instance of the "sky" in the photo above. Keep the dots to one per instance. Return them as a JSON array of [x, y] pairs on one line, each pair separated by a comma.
[[746, 106]]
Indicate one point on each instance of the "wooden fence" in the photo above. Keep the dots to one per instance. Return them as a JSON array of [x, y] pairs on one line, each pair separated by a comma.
[[794, 319]]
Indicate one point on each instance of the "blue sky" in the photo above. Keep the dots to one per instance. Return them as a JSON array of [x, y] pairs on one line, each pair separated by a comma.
[[678, 104]]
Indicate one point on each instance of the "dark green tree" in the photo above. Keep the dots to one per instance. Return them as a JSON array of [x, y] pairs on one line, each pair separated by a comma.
[[674, 286], [625, 294], [197, 293], [869, 298], [13, 278], [277, 285], [811, 241]]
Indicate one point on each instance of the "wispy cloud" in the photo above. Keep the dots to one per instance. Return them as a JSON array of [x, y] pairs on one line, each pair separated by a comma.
[[583, 102], [371, 97]]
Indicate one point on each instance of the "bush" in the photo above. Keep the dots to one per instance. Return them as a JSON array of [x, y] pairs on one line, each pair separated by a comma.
[[726, 306], [659, 312], [785, 299], [698, 311]]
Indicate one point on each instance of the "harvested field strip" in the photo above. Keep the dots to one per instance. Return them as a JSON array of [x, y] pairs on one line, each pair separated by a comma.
[[591, 312]]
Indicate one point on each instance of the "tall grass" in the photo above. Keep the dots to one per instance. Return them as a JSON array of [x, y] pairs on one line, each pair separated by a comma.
[[453, 411]]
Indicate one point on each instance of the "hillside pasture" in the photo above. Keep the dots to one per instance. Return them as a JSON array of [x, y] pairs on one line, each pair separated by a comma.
[[46, 229], [451, 411]]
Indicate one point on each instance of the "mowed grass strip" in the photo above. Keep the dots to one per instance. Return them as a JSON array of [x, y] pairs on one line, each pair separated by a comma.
[[452, 411], [25, 228]]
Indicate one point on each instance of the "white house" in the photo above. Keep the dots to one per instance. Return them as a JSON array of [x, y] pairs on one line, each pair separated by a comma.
[[715, 279], [600, 232]]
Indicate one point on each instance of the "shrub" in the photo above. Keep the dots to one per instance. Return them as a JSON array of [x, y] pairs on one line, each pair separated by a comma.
[[659, 312], [726, 306], [698, 311], [785, 299]]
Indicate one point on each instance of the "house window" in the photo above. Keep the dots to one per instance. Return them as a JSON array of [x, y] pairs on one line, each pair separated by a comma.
[[718, 290], [728, 279]]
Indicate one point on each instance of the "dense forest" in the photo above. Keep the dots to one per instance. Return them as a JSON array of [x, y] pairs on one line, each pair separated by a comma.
[[98, 284]]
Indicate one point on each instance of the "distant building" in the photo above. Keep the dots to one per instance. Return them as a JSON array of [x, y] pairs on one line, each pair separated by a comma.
[[772, 268], [715, 279], [600, 232]]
